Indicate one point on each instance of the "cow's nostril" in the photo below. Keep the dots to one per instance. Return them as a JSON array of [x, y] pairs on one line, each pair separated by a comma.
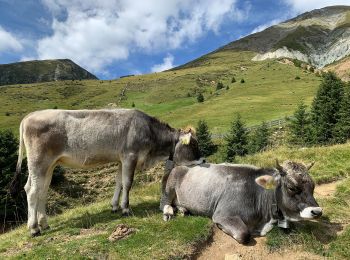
[[317, 213]]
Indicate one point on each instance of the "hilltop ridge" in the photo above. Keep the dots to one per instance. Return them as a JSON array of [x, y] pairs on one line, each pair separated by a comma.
[[42, 71]]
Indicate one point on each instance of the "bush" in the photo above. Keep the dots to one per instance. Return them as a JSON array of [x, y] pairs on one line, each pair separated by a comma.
[[200, 98], [233, 80], [227, 87], [219, 86], [242, 81], [133, 104], [206, 145], [11, 209], [7, 114], [297, 77], [297, 63]]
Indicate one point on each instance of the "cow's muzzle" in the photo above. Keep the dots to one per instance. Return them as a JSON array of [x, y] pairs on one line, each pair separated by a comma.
[[311, 212]]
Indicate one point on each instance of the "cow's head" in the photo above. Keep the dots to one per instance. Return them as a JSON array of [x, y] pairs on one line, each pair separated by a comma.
[[294, 190], [187, 149]]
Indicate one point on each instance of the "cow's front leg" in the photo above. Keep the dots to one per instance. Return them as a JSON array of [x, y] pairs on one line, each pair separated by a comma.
[[128, 170], [118, 188], [169, 165], [234, 227]]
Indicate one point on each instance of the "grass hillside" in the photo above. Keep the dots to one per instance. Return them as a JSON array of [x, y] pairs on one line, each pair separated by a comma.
[[83, 232], [41, 71], [270, 91]]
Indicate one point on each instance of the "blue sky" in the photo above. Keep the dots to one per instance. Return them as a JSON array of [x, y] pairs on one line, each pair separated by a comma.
[[111, 38]]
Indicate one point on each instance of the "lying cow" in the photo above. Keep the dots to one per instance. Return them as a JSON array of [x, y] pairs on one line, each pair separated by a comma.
[[86, 138], [242, 200]]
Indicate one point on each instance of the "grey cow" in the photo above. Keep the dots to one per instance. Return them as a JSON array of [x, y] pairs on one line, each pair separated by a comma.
[[85, 138], [242, 200]]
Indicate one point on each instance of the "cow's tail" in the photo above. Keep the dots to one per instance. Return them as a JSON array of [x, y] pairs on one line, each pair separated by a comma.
[[15, 183]]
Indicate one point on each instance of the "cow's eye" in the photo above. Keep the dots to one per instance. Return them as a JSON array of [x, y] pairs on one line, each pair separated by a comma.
[[293, 189]]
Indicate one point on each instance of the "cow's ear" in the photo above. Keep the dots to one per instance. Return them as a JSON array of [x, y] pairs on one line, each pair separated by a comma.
[[185, 138], [266, 181]]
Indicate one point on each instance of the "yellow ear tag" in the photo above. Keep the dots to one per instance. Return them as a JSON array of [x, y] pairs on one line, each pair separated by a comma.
[[186, 139], [270, 184]]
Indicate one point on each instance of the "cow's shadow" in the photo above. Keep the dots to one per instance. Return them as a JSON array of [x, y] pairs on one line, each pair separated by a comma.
[[106, 216]]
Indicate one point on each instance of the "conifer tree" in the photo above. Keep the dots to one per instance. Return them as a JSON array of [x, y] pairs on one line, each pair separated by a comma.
[[206, 145], [236, 140], [300, 126], [342, 128], [259, 139], [325, 108]]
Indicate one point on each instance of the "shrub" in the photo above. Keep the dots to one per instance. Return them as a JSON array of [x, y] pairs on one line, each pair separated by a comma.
[[200, 98], [233, 80], [219, 86], [227, 87], [297, 77], [11, 209], [242, 81], [133, 104]]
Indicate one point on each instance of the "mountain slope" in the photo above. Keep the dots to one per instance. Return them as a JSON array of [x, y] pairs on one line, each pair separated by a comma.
[[319, 37], [42, 71]]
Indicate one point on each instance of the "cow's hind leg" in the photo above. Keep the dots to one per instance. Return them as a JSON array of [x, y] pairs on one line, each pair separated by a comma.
[[128, 170], [118, 188], [35, 189], [233, 226], [42, 218]]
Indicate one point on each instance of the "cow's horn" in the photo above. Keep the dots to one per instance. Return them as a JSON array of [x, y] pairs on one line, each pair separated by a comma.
[[279, 167], [308, 167]]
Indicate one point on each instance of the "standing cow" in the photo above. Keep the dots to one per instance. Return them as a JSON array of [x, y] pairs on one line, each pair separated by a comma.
[[242, 200], [86, 138]]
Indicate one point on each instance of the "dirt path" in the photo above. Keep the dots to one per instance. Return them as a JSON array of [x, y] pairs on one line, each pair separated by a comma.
[[224, 247]]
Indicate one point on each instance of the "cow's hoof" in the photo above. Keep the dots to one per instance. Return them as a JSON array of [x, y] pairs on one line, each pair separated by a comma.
[[125, 212], [35, 233], [167, 217]]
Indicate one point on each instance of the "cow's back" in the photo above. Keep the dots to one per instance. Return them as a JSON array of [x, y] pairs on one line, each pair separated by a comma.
[[87, 137], [219, 187]]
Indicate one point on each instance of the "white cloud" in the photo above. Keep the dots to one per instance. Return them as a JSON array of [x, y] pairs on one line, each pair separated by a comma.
[[308, 5], [97, 33], [8, 42], [167, 64], [266, 25]]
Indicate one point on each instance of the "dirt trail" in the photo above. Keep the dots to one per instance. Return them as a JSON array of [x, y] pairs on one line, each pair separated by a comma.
[[225, 247]]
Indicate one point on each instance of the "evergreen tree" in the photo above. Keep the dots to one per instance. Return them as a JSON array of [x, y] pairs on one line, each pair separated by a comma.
[[300, 126], [259, 139], [236, 140], [342, 128], [206, 145], [325, 108], [200, 98]]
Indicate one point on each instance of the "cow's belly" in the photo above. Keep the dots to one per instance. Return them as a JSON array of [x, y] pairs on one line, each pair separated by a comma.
[[87, 160]]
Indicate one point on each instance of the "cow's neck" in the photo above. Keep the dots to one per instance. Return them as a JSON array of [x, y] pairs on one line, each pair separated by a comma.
[[269, 206]]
